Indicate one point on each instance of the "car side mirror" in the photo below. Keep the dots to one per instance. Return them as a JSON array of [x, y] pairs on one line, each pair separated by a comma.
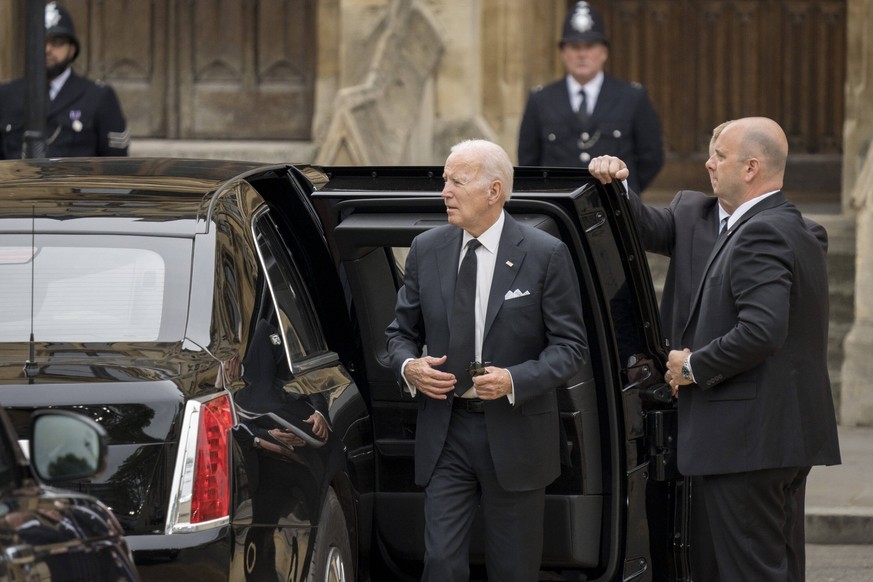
[[66, 446]]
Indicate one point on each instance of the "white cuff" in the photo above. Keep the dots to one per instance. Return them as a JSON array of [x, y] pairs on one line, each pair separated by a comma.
[[409, 387]]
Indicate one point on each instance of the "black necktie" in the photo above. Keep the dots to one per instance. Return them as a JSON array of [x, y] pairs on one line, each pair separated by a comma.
[[723, 228], [582, 112], [462, 340]]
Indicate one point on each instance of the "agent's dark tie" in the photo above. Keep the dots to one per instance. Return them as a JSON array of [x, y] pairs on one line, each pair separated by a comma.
[[462, 341], [582, 112], [722, 229]]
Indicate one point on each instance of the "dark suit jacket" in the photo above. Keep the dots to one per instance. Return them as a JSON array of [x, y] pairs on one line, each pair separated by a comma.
[[623, 124], [540, 338], [686, 232], [85, 119], [758, 330]]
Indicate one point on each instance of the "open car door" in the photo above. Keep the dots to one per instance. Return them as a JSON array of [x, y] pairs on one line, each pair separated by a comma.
[[617, 510]]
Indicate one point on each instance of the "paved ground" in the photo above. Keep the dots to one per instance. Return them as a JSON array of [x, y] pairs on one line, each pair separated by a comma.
[[845, 563], [839, 499]]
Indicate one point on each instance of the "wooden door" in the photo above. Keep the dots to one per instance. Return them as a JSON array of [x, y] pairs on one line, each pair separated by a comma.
[[220, 69], [246, 69], [706, 61]]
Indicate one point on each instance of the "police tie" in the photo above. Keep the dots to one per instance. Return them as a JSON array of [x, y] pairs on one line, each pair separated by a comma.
[[582, 112], [462, 340]]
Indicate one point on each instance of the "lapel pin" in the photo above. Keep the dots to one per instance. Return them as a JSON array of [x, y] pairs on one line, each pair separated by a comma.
[[508, 263]]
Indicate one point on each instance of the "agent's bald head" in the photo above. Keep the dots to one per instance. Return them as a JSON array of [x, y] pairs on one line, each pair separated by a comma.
[[763, 139]]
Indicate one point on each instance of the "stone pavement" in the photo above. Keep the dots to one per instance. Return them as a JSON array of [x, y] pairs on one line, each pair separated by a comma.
[[839, 499]]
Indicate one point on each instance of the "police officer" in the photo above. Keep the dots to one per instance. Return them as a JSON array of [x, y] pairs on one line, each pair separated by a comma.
[[589, 113], [84, 117]]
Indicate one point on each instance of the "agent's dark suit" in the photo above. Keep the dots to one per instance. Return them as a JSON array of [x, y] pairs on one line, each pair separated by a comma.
[[84, 119], [686, 231], [758, 330], [624, 124], [761, 412], [539, 338]]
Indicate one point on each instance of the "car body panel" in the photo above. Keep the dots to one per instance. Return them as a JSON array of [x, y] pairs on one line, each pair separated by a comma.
[[140, 389]]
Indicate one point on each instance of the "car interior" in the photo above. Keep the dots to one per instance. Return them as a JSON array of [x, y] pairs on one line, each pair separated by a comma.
[[372, 244]]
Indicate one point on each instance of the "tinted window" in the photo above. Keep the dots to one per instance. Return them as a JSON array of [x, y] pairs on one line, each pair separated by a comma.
[[303, 337], [93, 288]]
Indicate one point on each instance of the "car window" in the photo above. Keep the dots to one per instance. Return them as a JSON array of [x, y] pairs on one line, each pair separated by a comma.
[[303, 337], [93, 288]]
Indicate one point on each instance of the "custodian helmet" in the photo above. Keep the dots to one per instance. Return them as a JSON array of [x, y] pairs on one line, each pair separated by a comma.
[[59, 23], [583, 24]]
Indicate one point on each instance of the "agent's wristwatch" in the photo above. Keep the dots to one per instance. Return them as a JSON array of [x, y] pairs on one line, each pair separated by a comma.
[[686, 369]]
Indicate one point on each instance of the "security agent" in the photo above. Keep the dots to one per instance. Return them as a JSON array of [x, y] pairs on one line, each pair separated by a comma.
[[589, 113], [84, 117]]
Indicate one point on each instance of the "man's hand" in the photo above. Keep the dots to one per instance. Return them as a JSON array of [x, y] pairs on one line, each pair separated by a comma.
[[608, 168], [673, 376], [493, 384], [319, 425], [422, 373]]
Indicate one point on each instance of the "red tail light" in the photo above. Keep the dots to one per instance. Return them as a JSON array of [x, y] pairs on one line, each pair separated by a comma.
[[210, 496]]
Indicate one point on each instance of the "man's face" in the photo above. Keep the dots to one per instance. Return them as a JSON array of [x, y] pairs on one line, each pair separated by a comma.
[[725, 168], [583, 60], [466, 195], [59, 52]]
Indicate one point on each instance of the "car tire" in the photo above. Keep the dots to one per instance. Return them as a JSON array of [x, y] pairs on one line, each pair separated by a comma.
[[332, 557]]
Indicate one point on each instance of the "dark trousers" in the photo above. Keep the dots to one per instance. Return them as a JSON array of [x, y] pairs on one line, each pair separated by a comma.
[[463, 479], [749, 526]]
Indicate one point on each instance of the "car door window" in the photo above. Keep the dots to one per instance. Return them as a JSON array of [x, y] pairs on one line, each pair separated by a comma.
[[297, 322]]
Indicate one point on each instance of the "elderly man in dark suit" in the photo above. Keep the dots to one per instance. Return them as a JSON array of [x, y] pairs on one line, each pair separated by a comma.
[[514, 304], [589, 113], [755, 405]]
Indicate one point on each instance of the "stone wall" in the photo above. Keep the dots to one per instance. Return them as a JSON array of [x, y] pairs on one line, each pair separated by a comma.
[[857, 376]]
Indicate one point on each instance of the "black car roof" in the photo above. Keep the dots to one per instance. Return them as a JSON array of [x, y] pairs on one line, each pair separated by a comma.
[[186, 174], [105, 192]]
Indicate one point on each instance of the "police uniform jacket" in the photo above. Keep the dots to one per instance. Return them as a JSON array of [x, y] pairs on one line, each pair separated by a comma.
[[84, 119], [624, 124]]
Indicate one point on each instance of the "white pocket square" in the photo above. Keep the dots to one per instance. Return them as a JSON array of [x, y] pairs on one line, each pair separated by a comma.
[[515, 294]]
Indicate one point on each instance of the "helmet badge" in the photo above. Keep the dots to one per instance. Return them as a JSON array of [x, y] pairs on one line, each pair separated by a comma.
[[52, 15], [581, 19]]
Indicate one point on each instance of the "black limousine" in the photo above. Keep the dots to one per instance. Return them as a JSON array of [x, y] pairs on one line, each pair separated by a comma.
[[224, 322]]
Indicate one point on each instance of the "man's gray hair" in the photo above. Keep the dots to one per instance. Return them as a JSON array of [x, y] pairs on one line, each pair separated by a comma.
[[496, 164]]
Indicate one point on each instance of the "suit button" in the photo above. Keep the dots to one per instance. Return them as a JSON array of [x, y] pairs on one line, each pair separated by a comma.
[[616, 134], [585, 156], [552, 137], [585, 136]]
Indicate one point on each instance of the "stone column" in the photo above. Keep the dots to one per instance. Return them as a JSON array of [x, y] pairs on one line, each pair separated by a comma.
[[857, 374], [389, 54]]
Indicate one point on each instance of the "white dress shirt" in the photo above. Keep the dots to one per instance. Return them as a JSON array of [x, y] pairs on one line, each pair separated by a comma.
[[591, 88], [56, 84]]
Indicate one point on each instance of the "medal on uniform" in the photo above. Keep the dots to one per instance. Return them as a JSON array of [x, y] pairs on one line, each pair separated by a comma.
[[75, 116]]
